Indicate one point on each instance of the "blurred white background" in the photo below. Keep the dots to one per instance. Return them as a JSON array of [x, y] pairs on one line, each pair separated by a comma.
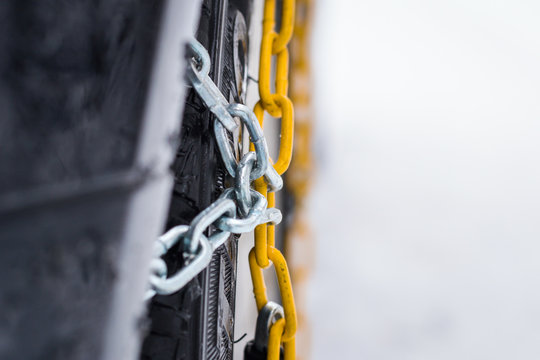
[[427, 199]]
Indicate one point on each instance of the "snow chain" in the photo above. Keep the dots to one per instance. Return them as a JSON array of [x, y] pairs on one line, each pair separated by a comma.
[[241, 209]]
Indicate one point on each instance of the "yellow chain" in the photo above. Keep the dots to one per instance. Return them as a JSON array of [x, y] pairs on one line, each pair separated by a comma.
[[277, 105]]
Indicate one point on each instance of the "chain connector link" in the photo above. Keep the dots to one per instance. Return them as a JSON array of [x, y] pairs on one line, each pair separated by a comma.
[[159, 282], [258, 214]]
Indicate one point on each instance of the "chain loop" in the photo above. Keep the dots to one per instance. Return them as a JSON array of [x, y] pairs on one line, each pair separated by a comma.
[[256, 136], [242, 183], [161, 284], [286, 131], [197, 74], [287, 24], [275, 44], [257, 215], [285, 288], [196, 264], [206, 218]]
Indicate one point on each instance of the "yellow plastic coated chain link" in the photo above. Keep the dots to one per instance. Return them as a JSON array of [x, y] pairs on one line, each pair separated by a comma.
[[275, 44], [287, 131], [278, 105], [274, 339], [285, 288]]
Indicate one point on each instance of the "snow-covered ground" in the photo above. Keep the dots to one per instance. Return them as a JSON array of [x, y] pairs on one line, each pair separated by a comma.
[[427, 202]]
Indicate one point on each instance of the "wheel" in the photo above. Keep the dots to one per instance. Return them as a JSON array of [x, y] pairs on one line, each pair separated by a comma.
[[84, 160]]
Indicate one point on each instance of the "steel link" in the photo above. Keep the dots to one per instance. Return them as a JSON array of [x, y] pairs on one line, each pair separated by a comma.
[[256, 137], [197, 74], [242, 182], [273, 180], [206, 218], [196, 264], [171, 238], [248, 118], [220, 218], [227, 153], [257, 215], [218, 238], [158, 268]]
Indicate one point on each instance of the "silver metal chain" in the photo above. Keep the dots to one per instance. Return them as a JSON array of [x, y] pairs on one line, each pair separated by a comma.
[[239, 209]]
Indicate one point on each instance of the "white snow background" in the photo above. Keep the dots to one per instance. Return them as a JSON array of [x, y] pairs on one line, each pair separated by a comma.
[[427, 200]]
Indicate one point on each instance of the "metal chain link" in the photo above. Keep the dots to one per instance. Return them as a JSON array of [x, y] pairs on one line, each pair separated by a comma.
[[239, 209]]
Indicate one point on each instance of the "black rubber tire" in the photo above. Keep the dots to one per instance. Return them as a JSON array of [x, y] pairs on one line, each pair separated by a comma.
[[73, 85], [198, 321]]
